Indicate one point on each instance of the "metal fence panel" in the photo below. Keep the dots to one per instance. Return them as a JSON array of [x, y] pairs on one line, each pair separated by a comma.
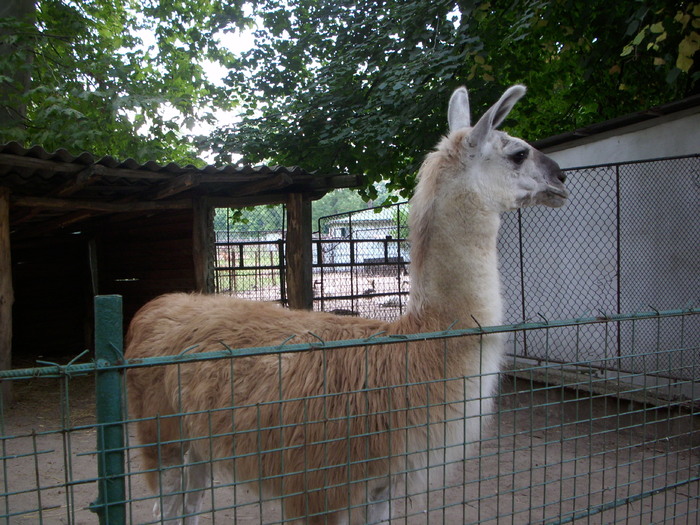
[[361, 266], [606, 445], [249, 253]]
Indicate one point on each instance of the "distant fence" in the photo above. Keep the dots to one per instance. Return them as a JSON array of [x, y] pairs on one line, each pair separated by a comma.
[[554, 454], [249, 256], [361, 262]]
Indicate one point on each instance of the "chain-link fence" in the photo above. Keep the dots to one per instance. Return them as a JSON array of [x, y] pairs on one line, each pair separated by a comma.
[[627, 241], [249, 252]]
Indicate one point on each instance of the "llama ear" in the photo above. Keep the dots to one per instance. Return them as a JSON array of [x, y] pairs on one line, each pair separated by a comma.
[[458, 110], [496, 114]]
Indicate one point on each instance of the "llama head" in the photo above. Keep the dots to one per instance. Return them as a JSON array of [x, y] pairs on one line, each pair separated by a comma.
[[506, 172]]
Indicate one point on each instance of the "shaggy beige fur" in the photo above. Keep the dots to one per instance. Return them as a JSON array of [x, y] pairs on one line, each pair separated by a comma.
[[327, 431], [353, 399]]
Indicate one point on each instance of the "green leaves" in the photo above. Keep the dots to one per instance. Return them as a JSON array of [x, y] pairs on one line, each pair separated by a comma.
[[669, 40], [97, 86], [362, 86], [343, 86], [356, 86]]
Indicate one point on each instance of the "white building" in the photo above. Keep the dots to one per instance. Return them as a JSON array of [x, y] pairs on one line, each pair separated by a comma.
[[365, 237]]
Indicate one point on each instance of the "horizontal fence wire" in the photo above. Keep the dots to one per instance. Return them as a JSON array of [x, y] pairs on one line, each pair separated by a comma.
[[288, 346], [588, 440]]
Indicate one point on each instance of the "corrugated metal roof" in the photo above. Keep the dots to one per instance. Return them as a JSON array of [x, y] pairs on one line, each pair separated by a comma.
[[85, 159], [47, 186]]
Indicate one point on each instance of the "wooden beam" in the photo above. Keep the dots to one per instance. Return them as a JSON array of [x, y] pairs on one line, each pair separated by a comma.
[[239, 178], [240, 185], [6, 292], [202, 246], [91, 209], [53, 224], [59, 166], [80, 180], [258, 200], [177, 185], [262, 185], [20, 161], [298, 255], [252, 200], [335, 181], [99, 206]]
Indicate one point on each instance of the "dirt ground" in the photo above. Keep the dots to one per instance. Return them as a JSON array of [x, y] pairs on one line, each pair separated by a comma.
[[548, 456]]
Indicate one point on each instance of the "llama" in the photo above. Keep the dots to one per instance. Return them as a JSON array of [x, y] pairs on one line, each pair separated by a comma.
[[328, 433]]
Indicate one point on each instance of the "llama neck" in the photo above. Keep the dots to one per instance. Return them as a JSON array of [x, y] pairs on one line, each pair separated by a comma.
[[454, 274]]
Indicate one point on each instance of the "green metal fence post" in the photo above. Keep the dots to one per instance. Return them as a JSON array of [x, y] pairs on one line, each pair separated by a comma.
[[111, 500]]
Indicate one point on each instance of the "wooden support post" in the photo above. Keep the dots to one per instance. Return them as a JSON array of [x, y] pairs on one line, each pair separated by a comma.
[[202, 246], [6, 292], [299, 278]]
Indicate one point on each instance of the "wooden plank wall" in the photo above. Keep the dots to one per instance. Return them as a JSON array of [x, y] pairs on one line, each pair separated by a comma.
[[52, 311], [6, 292], [146, 257], [54, 279]]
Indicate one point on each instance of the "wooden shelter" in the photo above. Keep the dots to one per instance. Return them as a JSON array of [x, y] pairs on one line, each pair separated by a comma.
[[73, 227]]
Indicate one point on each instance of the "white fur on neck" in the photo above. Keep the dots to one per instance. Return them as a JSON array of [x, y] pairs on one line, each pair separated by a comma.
[[461, 269]]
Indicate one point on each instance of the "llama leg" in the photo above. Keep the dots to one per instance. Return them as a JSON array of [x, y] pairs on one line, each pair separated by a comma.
[[182, 492], [169, 506], [197, 477], [378, 504]]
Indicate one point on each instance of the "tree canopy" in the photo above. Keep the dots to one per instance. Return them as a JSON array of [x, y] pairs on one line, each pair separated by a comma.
[[96, 84], [358, 86], [362, 85]]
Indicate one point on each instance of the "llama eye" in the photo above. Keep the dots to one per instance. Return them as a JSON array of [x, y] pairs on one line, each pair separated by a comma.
[[519, 156]]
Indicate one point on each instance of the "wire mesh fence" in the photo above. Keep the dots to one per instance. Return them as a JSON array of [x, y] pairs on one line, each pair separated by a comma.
[[361, 263], [628, 240], [249, 253], [549, 453]]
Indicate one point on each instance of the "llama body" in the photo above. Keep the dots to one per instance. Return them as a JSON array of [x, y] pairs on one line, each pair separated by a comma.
[[329, 430]]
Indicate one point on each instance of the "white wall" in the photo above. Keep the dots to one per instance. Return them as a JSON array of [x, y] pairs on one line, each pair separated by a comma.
[[667, 136]]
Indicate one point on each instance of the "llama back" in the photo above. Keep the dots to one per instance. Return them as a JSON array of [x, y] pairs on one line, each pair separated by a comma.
[[173, 322]]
